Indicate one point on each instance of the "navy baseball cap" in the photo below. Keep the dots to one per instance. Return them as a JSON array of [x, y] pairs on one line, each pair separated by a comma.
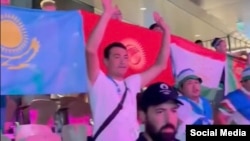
[[157, 94]]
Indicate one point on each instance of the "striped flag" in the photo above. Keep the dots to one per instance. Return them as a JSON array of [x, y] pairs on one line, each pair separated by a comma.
[[234, 68], [206, 63]]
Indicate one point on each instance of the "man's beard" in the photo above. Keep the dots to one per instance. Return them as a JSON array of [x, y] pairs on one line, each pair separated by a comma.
[[160, 135]]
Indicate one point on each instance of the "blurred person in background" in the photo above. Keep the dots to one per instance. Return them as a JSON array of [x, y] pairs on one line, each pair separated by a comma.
[[236, 105], [220, 46], [48, 5], [155, 27], [199, 42], [158, 110]]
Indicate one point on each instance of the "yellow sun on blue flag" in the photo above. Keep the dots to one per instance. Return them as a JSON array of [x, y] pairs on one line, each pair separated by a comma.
[[42, 52]]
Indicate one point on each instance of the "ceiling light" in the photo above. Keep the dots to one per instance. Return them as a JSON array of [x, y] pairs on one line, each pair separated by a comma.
[[143, 8], [197, 35]]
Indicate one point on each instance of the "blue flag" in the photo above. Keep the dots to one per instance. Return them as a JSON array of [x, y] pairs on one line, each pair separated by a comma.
[[42, 52]]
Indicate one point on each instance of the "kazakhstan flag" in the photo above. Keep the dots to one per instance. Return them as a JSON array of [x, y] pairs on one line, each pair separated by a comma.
[[42, 52]]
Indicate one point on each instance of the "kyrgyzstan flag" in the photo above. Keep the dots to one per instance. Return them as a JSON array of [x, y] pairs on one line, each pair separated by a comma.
[[234, 68], [143, 45], [206, 63]]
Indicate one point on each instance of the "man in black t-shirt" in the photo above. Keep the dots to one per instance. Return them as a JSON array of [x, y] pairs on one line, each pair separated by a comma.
[[158, 105]]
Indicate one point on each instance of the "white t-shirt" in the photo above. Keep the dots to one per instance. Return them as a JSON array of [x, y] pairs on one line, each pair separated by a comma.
[[104, 98], [187, 117]]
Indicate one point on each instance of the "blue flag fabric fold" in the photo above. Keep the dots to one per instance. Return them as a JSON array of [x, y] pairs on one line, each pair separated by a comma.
[[42, 52]]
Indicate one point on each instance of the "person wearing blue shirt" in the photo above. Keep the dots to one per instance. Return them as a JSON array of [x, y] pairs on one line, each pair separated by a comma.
[[196, 109], [235, 107]]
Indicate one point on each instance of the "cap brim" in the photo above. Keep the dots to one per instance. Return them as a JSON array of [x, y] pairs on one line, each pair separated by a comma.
[[189, 77], [193, 77], [163, 100], [167, 99]]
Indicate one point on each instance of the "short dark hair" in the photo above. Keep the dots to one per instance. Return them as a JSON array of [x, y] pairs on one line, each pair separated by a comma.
[[110, 46], [151, 27], [198, 41], [216, 41]]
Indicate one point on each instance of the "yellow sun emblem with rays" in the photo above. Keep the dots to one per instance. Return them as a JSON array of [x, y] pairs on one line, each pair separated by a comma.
[[137, 59], [17, 50]]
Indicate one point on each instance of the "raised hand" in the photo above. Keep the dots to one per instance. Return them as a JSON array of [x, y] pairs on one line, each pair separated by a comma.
[[117, 15], [160, 21], [113, 11]]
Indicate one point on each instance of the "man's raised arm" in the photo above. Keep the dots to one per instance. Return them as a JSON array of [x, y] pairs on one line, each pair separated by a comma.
[[239, 53], [161, 62], [93, 66]]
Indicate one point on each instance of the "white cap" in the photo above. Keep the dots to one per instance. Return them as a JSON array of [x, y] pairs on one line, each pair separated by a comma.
[[46, 1], [185, 75]]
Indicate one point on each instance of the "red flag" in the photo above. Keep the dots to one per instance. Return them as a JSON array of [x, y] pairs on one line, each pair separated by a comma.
[[238, 65], [143, 45]]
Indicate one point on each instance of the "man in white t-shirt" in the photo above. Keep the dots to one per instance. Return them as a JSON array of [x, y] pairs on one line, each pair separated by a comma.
[[196, 110], [107, 89]]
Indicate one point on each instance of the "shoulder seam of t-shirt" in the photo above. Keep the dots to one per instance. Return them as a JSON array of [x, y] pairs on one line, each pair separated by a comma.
[[99, 76]]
